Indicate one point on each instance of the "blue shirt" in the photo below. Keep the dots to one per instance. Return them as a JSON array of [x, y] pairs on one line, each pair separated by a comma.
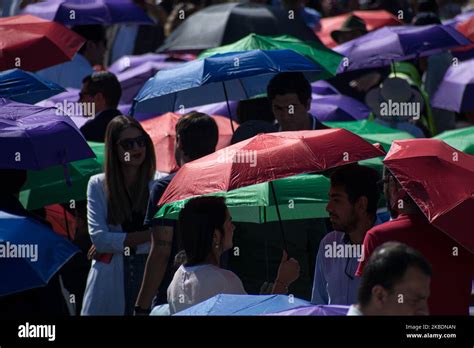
[[334, 278]]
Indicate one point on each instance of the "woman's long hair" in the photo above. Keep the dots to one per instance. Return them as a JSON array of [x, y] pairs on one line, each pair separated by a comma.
[[197, 222], [120, 201]]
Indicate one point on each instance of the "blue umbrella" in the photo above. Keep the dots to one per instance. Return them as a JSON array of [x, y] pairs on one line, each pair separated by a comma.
[[244, 305], [30, 253], [84, 12], [228, 76], [33, 137], [388, 44], [26, 87]]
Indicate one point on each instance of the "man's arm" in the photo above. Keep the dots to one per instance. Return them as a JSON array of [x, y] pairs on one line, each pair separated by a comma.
[[319, 294], [157, 262]]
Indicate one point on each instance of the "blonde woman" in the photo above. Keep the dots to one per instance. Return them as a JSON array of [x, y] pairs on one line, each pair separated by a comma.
[[116, 207]]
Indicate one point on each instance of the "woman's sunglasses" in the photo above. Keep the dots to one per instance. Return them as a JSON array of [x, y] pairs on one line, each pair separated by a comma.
[[127, 144]]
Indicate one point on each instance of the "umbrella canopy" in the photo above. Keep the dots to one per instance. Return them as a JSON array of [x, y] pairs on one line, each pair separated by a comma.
[[298, 197], [373, 20], [129, 62], [133, 79], [338, 107], [267, 157], [322, 87], [47, 186], [31, 253], [25, 39], [466, 27], [318, 310], [162, 131], [386, 45], [224, 304], [228, 76], [80, 12], [315, 51], [445, 195], [26, 87], [222, 24], [372, 132], [62, 222], [461, 139], [456, 90], [33, 137]]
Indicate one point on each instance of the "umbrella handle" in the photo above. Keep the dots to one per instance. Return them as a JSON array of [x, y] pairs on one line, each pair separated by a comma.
[[228, 108], [285, 246]]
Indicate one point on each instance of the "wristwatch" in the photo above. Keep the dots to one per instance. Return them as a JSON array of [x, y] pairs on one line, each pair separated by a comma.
[[139, 310]]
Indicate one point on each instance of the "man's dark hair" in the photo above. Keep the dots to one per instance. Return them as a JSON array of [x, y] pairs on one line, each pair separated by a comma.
[[287, 83], [94, 33], [12, 180], [106, 83], [358, 181], [197, 222], [387, 266], [198, 134]]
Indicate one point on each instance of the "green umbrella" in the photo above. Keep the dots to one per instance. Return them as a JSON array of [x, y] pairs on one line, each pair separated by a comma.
[[299, 197], [317, 52], [48, 186], [373, 133], [461, 139]]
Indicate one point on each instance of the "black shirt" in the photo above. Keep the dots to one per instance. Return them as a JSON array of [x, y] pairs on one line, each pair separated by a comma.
[[94, 130]]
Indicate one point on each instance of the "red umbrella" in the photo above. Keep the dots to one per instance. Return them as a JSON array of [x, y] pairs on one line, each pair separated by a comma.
[[62, 222], [373, 20], [267, 157], [162, 131], [32, 43], [440, 179]]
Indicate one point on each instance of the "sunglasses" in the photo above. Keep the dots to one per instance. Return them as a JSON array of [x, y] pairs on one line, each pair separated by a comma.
[[127, 144]]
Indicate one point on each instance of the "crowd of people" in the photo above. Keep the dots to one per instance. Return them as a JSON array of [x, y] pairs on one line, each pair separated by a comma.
[[132, 262]]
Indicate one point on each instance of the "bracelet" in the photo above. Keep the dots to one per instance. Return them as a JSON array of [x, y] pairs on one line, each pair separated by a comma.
[[140, 310]]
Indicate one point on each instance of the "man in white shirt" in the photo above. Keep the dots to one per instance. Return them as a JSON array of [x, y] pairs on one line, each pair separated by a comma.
[[396, 281], [71, 74]]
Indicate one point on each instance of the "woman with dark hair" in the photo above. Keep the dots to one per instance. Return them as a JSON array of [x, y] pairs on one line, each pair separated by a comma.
[[205, 230], [116, 207]]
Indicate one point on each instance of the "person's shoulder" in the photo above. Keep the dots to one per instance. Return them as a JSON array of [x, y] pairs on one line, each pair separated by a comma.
[[334, 236], [97, 179], [162, 183]]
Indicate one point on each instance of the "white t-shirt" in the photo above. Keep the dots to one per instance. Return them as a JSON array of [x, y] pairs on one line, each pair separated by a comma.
[[195, 284]]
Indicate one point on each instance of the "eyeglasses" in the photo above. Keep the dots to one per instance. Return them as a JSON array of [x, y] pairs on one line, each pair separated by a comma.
[[127, 144]]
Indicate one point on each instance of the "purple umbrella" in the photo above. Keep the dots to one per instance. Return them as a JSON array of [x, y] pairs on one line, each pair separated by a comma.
[[83, 12], [318, 310], [388, 44], [338, 107], [33, 137], [456, 91], [130, 62], [323, 87]]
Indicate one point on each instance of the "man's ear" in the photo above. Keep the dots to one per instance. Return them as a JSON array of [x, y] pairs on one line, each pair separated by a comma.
[[379, 296], [361, 204], [217, 237]]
